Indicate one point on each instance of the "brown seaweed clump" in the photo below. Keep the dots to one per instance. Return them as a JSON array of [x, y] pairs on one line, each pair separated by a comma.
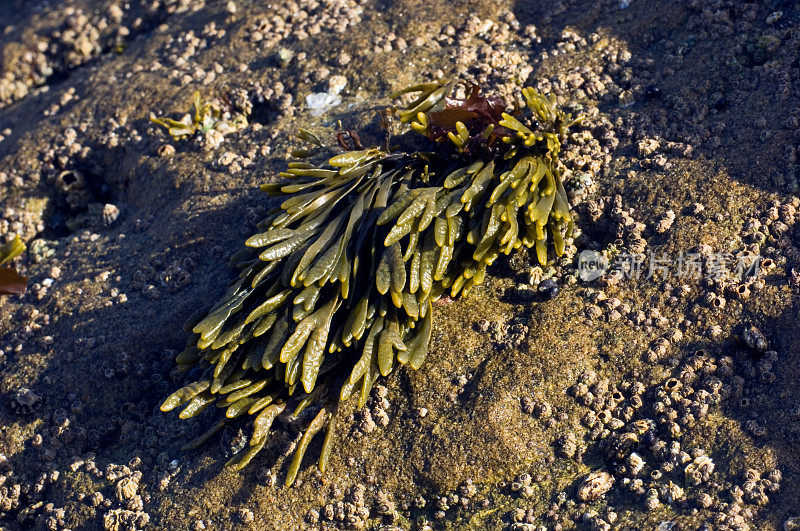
[[335, 289]]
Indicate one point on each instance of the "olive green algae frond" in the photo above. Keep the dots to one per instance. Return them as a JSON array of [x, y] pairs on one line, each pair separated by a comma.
[[204, 117], [336, 288]]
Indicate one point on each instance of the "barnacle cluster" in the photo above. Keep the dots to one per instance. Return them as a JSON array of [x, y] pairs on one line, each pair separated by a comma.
[[336, 288]]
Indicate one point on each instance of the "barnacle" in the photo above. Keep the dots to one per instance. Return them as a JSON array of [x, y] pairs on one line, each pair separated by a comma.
[[335, 289]]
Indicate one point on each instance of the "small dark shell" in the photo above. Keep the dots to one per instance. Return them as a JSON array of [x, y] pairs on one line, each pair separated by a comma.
[[548, 288]]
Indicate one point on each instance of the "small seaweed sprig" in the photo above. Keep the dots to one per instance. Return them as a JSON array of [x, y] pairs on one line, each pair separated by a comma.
[[11, 282], [204, 118], [336, 287]]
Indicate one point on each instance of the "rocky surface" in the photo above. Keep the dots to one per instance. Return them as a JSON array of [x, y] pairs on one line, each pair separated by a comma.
[[650, 397]]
